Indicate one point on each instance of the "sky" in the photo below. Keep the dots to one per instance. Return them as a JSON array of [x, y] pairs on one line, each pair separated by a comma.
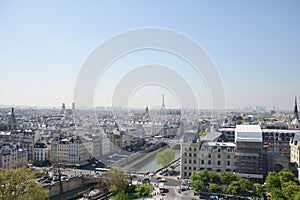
[[255, 46]]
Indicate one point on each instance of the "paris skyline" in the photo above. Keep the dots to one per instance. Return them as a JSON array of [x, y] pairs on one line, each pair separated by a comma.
[[254, 45]]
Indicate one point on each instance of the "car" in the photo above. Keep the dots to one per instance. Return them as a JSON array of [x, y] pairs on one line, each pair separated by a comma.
[[162, 180]]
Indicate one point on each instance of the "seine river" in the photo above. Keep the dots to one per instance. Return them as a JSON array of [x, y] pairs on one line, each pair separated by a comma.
[[150, 165]]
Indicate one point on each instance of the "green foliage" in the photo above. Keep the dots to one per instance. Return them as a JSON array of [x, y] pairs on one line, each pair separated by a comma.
[[120, 196], [227, 177], [262, 116], [202, 176], [289, 189], [245, 186], [233, 188], [286, 175], [214, 177], [213, 187], [198, 185], [277, 194], [201, 132], [273, 181], [258, 190], [282, 186], [165, 157], [116, 181], [241, 187], [19, 184], [142, 189], [238, 122], [226, 182]]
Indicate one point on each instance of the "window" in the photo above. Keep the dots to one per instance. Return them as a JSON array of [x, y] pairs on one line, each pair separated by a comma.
[[202, 162], [228, 156], [228, 163], [195, 161], [219, 162], [219, 155], [209, 155], [209, 162], [190, 161], [195, 155]]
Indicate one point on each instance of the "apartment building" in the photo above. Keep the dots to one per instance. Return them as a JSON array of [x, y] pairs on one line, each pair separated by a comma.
[[12, 155]]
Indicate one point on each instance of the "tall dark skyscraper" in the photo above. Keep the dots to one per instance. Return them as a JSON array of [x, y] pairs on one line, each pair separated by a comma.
[[296, 113]]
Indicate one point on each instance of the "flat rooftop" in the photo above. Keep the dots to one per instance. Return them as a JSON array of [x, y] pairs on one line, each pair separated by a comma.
[[248, 133]]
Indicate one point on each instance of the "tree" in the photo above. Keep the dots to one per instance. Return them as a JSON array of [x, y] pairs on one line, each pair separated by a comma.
[[19, 184], [165, 157], [214, 177], [289, 189], [116, 181], [203, 176], [121, 196], [143, 189], [245, 186], [258, 190], [213, 187], [228, 177], [282, 186], [233, 188], [273, 181], [286, 175], [198, 185], [241, 187], [277, 194]]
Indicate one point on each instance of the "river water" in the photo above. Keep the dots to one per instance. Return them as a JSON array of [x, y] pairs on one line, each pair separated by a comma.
[[150, 165]]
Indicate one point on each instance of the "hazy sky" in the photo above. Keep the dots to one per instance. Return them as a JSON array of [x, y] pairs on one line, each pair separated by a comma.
[[254, 44]]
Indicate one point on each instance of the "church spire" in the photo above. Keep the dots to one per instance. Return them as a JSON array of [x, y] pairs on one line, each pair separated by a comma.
[[296, 113]]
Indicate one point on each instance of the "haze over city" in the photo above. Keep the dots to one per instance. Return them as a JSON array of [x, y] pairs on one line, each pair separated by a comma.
[[255, 47]]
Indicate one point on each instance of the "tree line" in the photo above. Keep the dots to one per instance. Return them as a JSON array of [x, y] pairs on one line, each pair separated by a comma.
[[279, 185]]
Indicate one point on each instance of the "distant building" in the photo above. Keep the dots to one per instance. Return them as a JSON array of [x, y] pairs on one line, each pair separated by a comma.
[[12, 155], [70, 151], [295, 122], [41, 153], [11, 121], [27, 138], [63, 108]]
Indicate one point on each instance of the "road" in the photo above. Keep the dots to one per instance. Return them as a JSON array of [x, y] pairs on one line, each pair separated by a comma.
[[172, 185]]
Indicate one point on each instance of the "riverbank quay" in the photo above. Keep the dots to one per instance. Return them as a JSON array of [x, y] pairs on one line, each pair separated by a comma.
[[129, 164]]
